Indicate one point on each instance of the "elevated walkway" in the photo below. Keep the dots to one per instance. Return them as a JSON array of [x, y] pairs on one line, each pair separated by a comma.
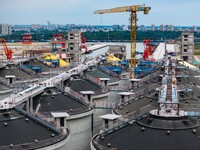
[[22, 96], [193, 114]]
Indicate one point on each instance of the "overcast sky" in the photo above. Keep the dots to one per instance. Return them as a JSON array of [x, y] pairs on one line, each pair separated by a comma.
[[176, 12]]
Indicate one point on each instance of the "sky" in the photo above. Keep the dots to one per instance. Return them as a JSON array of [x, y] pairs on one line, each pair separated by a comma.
[[176, 12]]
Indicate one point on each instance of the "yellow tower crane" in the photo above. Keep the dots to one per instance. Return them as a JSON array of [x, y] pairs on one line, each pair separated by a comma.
[[133, 27]]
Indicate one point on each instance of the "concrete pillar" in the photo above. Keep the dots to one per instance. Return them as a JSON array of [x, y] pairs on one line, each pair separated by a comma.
[[122, 99], [61, 85], [132, 83], [104, 81], [124, 96], [27, 106], [109, 120], [31, 104], [10, 79], [88, 96], [60, 120]]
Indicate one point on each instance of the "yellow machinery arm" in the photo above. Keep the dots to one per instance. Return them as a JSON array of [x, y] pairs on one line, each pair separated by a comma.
[[133, 8], [133, 27]]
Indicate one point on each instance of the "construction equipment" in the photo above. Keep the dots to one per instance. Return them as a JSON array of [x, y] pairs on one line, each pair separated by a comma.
[[56, 40], [84, 48], [27, 39], [144, 68], [147, 49], [8, 52], [133, 27]]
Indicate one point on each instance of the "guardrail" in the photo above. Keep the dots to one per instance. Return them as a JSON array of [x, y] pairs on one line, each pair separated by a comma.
[[37, 144], [28, 71], [4, 82], [108, 71], [120, 88], [93, 80], [116, 125], [40, 121], [97, 82], [185, 86], [76, 95], [16, 99], [109, 105]]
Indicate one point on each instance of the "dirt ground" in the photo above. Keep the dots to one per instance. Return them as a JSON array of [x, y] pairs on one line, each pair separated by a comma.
[[18, 48]]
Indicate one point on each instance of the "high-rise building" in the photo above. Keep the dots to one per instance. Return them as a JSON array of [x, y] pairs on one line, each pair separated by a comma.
[[153, 27], [124, 27], [180, 29], [166, 27], [74, 47], [162, 27], [187, 47], [187, 29], [5, 29], [171, 27], [195, 28]]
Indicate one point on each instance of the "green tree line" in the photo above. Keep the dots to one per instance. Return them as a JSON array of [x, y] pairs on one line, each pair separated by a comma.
[[44, 35]]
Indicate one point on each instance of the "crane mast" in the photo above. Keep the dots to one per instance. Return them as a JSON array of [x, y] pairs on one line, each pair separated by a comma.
[[133, 27]]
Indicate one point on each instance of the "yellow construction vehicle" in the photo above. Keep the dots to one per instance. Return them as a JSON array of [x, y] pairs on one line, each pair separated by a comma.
[[133, 27]]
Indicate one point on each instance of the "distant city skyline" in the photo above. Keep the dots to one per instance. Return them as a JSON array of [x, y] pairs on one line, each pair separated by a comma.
[[175, 12]]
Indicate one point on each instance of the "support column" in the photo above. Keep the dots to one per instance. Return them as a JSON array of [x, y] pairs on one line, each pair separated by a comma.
[[61, 120], [104, 81], [31, 104], [27, 106], [88, 96], [124, 96]]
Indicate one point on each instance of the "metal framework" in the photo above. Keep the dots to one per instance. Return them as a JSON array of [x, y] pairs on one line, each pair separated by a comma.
[[133, 27], [8, 52]]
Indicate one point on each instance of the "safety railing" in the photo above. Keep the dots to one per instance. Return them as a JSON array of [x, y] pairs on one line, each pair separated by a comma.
[[108, 105], [28, 71], [97, 82], [93, 79], [44, 118], [185, 86], [108, 71], [153, 87], [40, 121], [116, 125], [4, 82], [99, 146], [149, 77], [25, 80], [37, 144], [120, 88], [76, 95], [190, 107], [16, 99]]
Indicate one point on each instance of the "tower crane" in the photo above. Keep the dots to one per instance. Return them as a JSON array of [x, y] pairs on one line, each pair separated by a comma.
[[8, 52], [133, 27]]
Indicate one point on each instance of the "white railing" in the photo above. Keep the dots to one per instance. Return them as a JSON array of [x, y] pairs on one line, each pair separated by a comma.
[[93, 79], [108, 105], [98, 82], [76, 95], [115, 124], [185, 86], [22, 96], [108, 71], [121, 88]]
